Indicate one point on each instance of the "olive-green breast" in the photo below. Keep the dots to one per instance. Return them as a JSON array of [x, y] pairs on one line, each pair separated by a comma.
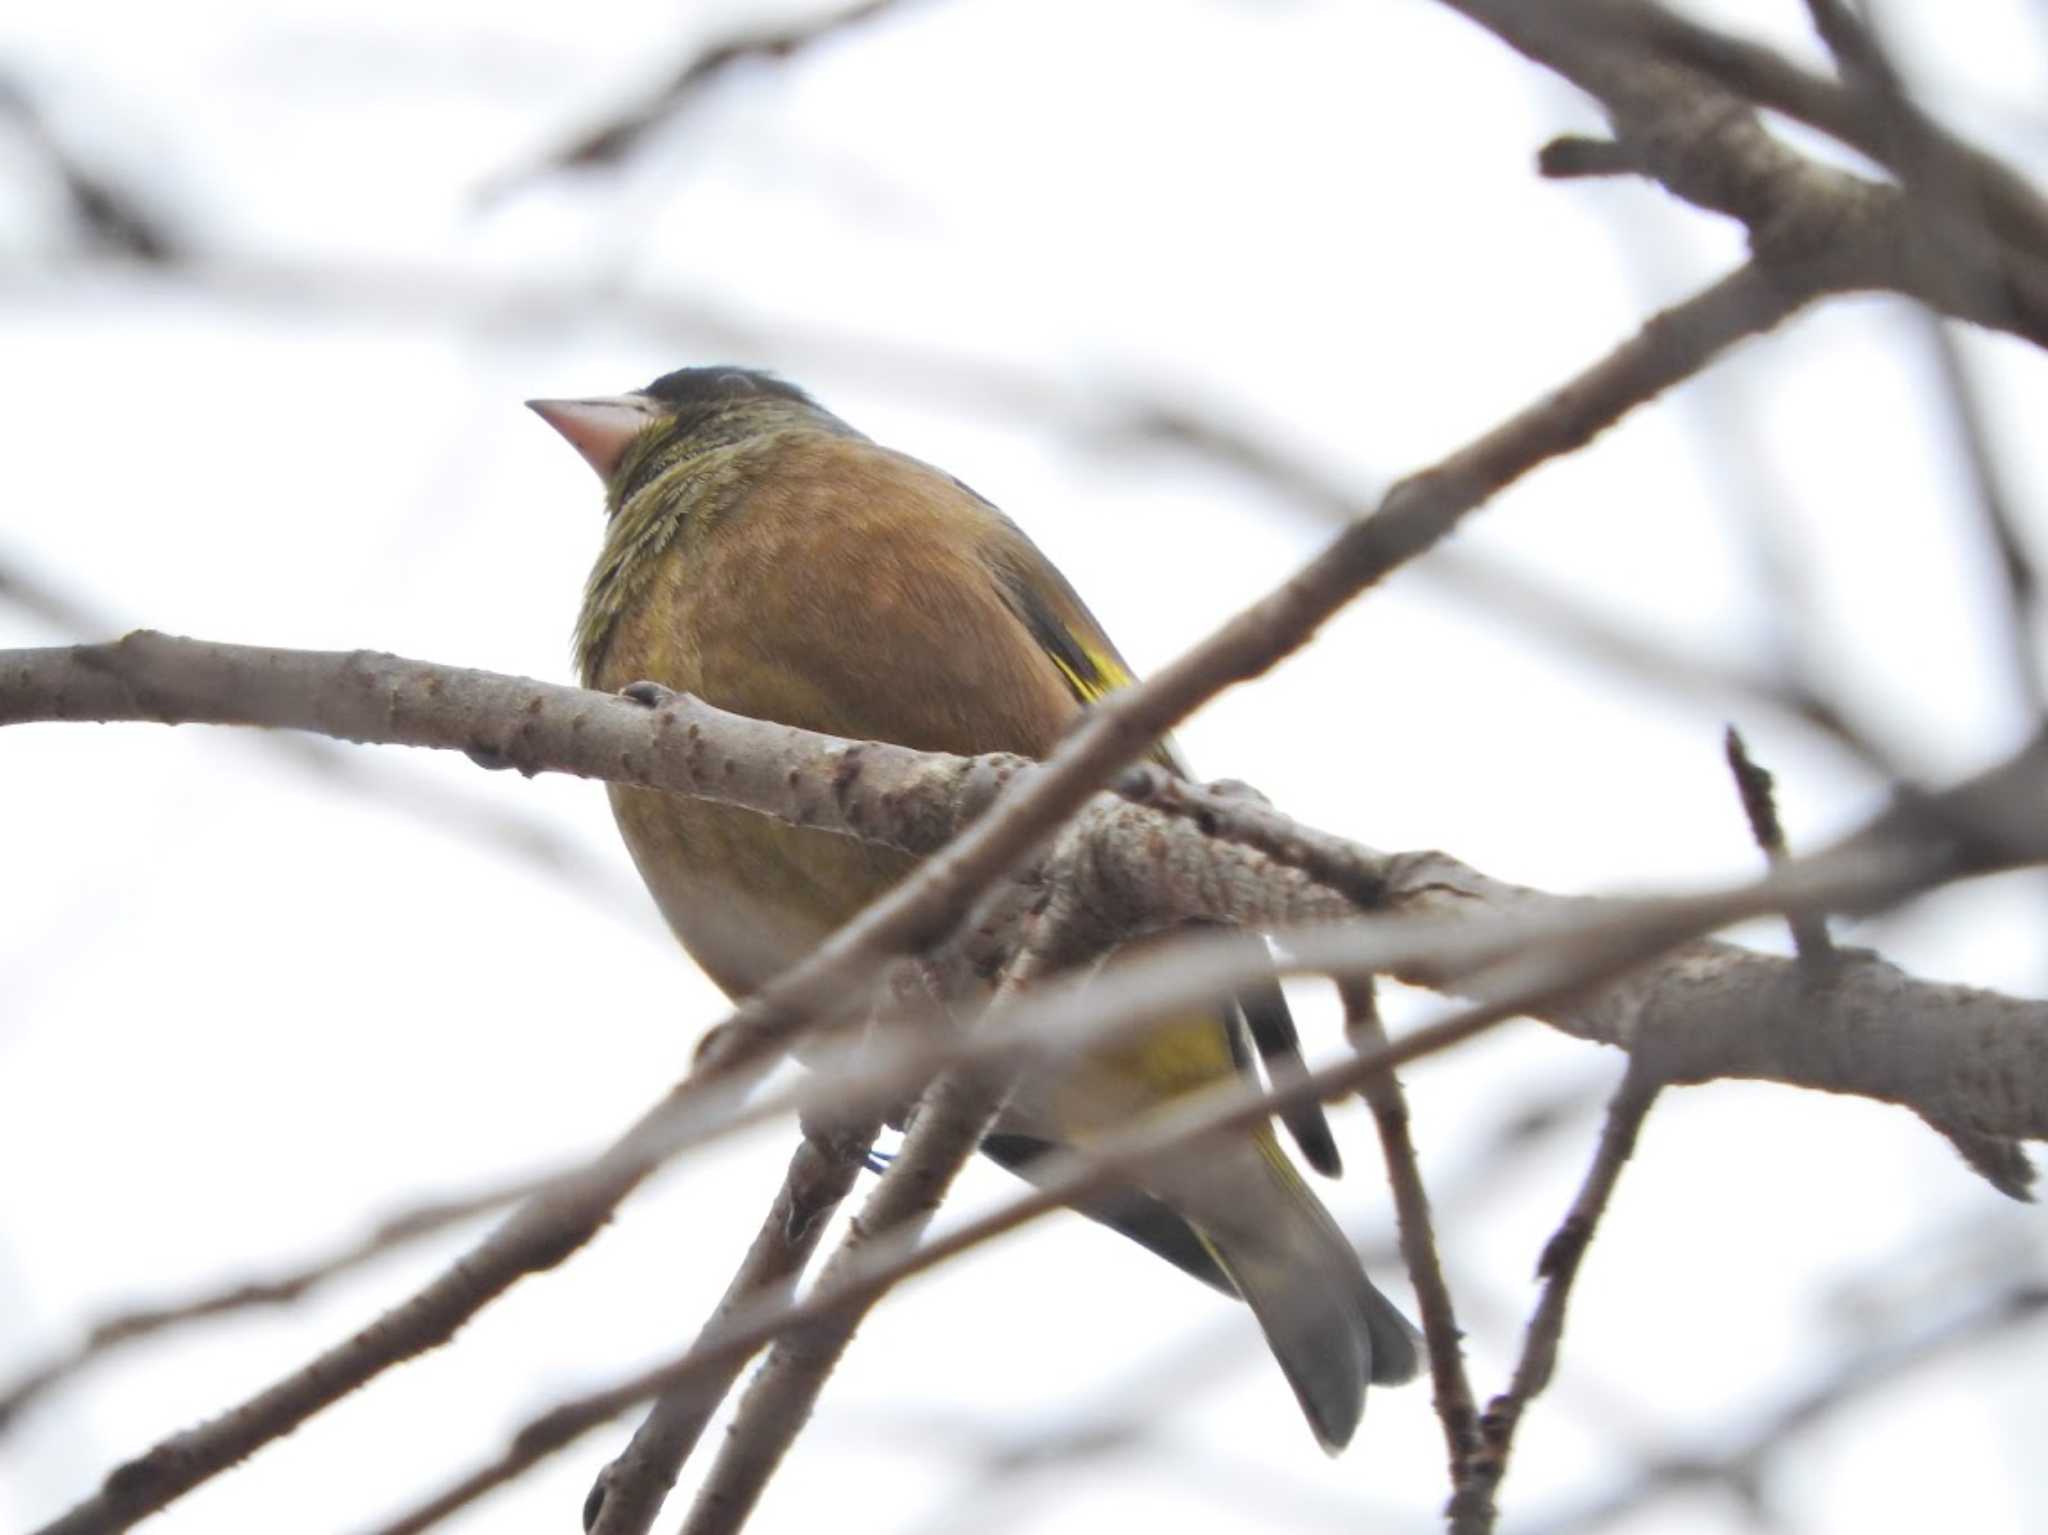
[[824, 582]]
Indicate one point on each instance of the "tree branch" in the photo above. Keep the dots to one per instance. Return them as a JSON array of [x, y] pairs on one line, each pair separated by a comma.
[[1473, 1510], [627, 1495], [1452, 1384], [1708, 147], [2013, 208], [625, 132]]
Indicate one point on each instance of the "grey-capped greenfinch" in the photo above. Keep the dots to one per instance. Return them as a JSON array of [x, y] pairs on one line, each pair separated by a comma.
[[765, 556]]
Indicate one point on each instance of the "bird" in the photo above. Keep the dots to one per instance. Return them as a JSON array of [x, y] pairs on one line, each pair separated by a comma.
[[763, 555]]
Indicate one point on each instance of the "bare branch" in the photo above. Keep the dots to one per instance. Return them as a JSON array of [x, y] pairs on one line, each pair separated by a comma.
[[1473, 1508], [73, 616], [1243, 821], [957, 1110], [821, 1171], [281, 1289], [111, 213], [2014, 209], [907, 800], [1455, 1405], [628, 1493], [948, 1126], [1760, 804], [1126, 1416], [1709, 148], [1814, 231], [626, 131]]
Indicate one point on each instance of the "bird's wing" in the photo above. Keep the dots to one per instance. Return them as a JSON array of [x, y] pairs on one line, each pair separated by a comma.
[[1059, 620]]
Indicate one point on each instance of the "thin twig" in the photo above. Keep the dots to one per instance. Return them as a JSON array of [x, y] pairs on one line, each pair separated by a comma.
[[1999, 1159], [1760, 805], [628, 1493], [1496, 588], [140, 1322], [1490, 917], [947, 1127], [110, 210], [1577, 156], [1455, 1405], [1473, 1506], [1527, 979], [1125, 1416], [949, 1124], [627, 130]]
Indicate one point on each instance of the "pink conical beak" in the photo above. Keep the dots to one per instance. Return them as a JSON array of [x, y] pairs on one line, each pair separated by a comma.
[[599, 429]]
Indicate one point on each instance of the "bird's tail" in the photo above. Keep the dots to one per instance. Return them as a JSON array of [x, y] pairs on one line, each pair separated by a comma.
[[1330, 1330]]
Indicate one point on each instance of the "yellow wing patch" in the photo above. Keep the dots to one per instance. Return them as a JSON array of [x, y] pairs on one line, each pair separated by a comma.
[[1104, 674]]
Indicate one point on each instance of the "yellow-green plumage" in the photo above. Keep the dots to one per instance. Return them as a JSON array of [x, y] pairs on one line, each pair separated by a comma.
[[763, 556]]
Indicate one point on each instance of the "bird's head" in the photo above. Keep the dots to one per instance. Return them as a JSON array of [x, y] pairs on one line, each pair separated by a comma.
[[680, 415]]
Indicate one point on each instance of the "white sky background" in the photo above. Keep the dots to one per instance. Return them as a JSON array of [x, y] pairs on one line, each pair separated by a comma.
[[245, 1010]]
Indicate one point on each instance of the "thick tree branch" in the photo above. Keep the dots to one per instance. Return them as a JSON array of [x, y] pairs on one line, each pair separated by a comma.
[[1860, 1037], [1709, 147], [2012, 206]]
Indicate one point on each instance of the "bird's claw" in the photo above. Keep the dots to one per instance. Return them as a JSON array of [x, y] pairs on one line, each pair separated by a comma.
[[652, 695]]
